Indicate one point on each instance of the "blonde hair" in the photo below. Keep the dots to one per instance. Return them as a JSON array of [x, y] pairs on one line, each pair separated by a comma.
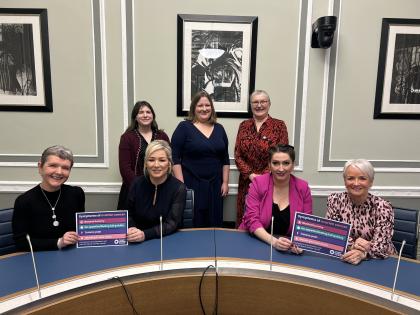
[[156, 146], [363, 165]]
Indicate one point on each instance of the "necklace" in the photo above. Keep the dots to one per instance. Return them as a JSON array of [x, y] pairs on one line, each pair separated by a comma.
[[54, 217]]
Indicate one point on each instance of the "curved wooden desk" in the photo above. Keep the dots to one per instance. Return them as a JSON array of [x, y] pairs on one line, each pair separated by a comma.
[[80, 280]]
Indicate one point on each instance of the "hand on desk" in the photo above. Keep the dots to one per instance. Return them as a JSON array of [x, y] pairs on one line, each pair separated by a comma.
[[354, 256], [135, 235], [284, 244], [69, 238], [362, 245]]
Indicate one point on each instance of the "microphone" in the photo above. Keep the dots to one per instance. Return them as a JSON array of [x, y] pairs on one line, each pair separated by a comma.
[[33, 263], [161, 244], [271, 244], [396, 270]]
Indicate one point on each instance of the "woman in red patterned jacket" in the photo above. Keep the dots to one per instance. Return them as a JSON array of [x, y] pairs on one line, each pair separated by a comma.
[[142, 130], [255, 137]]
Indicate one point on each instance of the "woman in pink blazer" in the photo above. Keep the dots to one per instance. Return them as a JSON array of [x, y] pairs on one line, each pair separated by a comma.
[[277, 194]]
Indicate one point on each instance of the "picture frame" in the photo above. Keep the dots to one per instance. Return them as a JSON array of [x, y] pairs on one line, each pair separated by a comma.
[[398, 79], [25, 80], [217, 54]]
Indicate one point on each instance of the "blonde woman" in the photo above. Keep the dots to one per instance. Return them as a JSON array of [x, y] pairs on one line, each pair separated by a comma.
[[371, 217], [155, 194]]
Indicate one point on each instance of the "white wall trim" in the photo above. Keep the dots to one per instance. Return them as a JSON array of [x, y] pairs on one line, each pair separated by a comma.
[[104, 75], [134, 47], [104, 100], [95, 100], [308, 35], [88, 187], [324, 108], [114, 188], [324, 114], [124, 63], [377, 169]]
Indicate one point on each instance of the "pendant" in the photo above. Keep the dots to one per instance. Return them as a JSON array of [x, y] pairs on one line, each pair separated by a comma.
[[53, 216], [55, 223]]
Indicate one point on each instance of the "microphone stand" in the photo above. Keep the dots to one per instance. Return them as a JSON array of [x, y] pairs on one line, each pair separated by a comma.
[[397, 269], [271, 245], [34, 265], [161, 245]]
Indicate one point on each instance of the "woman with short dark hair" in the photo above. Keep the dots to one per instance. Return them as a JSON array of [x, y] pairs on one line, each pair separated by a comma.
[[47, 212], [277, 194]]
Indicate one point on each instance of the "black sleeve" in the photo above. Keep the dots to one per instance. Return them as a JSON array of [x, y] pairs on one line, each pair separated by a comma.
[[81, 207], [131, 204], [20, 225], [174, 218]]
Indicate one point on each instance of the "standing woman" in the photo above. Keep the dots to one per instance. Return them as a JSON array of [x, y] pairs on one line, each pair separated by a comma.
[[371, 217], [47, 212], [255, 137], [277, 194], [155, 194], [201, 160], [142, 130]]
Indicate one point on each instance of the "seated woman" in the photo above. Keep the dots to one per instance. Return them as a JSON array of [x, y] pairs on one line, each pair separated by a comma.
[[277, 194], [155, 194], [47, 212], [371, 217]]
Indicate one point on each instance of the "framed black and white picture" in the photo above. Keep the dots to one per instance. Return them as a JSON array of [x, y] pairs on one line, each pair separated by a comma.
[[25, 78], [217, 54], [398, 80]]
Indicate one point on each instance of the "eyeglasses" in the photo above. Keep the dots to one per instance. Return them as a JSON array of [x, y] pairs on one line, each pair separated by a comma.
[[263, 102]]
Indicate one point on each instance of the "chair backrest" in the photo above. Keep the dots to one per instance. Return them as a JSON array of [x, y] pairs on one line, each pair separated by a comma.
[[7, 244], [406, 228], [189, 210]]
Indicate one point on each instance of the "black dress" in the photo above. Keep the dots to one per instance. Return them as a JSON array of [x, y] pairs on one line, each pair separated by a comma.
[[169, 203], [202, 160], [33, 215], [281, 220]]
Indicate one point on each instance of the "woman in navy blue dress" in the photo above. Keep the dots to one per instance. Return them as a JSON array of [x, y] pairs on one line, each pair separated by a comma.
[[201, 160]]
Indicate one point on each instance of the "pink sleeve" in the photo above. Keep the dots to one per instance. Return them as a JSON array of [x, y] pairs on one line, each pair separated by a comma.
[[334, 213], [251, 220], [381, 243], [307, 200]]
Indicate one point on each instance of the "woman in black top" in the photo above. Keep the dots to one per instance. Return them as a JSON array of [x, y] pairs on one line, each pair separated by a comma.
[[155, 194], [47, 212]]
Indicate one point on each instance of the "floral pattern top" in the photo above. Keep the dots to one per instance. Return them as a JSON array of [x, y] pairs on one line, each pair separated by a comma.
[[251, 152], [373, 221]]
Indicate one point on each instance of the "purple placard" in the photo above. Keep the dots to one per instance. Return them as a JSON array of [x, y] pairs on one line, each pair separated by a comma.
[[320, 235], [102, 228]]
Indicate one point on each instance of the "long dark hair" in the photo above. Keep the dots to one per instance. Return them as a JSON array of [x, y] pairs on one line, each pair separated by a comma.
[[134, 124], [194, 101]]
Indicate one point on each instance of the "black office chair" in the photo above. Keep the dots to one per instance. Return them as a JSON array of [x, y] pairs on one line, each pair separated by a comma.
[[7, 244], [406, 228], [189, 210]]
